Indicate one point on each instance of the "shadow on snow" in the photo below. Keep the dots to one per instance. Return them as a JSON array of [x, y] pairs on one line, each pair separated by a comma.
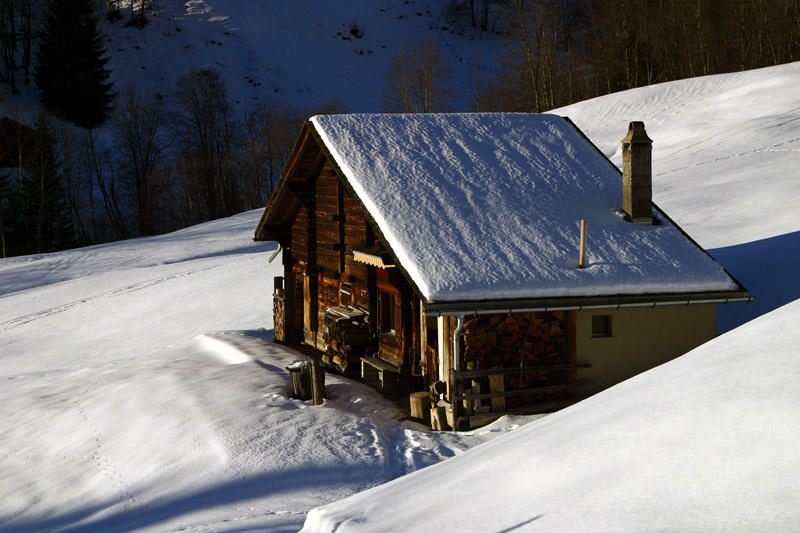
[[170, 510], [768, 269]]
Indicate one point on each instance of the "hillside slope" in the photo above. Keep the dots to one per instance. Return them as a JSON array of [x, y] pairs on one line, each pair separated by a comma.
[[300, 52], [141, 392], [726, 149]]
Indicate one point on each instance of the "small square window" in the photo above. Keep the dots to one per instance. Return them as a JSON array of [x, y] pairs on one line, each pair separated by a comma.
[[601, 325]]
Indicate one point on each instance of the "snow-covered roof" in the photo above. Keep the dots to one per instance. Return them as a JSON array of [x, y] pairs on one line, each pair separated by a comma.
[[488, 206]]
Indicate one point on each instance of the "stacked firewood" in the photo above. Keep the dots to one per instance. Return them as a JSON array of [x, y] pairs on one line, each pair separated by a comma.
[[517, 340], [279, 315], [498, 340]]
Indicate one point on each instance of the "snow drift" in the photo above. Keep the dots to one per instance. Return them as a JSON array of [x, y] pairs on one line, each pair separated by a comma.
[[704, 443]]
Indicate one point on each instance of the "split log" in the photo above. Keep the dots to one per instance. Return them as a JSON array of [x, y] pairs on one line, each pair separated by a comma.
[[420, 403], [439, 419]]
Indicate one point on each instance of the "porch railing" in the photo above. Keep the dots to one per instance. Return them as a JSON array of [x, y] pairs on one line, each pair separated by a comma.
[[467, 396]]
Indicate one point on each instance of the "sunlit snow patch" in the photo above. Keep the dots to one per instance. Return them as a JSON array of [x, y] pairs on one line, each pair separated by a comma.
[[221, 350]]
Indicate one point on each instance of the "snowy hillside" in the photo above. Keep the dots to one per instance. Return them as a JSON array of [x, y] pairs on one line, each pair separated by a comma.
[[301, 52], [122, 409], [726, 149], [141, 391], [706, 442]]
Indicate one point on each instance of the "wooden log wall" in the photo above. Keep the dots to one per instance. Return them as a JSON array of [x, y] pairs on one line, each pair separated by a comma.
[[327, 224], [339, 224], [300, 237], [519, 340], [298, 272]]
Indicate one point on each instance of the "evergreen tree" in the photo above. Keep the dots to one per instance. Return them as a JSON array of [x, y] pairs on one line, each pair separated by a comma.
[[70, 71], [34, 215]]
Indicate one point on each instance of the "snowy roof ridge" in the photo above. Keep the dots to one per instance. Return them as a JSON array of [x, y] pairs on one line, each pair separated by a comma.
[[479, 206]]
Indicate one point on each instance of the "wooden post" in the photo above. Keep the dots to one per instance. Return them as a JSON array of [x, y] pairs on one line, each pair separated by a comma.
[[496, 385], [423, 340], [467, 404], [438, 419], [582, 260], [317, 381], [477, 406]]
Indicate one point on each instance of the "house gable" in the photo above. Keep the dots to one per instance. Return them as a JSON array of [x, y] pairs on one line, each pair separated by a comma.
[[320, 223]]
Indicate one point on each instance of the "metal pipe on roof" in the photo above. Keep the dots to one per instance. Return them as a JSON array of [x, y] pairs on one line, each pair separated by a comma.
[[582, 255]]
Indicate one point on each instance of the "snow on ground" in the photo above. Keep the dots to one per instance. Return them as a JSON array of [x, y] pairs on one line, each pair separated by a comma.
[[141, 391], [706, 442], [726, 149], [300, 51], [121, 410]]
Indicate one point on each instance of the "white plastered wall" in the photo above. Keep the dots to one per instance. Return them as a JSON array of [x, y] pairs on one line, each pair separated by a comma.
[[641, 338]]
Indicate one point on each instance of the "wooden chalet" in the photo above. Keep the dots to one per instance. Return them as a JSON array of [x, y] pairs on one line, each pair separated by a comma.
[[441, 255]]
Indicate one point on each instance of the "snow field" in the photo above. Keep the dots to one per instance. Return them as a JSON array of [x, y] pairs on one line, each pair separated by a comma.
[[141, 392], [703, 443]]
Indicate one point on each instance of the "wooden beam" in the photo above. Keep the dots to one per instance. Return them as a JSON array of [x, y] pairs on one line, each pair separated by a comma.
[[317, 381], [467, 374], [519, 392], [498, 394]]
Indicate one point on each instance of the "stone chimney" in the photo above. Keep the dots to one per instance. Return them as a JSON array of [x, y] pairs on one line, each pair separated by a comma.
[[637, 174]]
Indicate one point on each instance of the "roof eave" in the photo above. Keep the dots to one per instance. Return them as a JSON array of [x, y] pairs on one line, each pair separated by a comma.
[[265, 231], [619, 301]]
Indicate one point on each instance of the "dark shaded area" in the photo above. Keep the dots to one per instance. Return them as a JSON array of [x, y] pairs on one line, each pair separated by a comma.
[[70, 71], [768, 269], [283, 482], [559, 52]]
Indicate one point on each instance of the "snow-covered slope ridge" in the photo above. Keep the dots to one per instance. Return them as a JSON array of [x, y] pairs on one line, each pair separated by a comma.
[[726, 149], [704, 443], [726, 167], [488, 206]]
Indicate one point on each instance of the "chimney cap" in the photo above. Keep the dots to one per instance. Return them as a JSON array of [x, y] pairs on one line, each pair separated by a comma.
[[637, 134]]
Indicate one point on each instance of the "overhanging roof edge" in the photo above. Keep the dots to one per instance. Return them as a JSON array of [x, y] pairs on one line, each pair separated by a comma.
[[345, 179], [479, 307]]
